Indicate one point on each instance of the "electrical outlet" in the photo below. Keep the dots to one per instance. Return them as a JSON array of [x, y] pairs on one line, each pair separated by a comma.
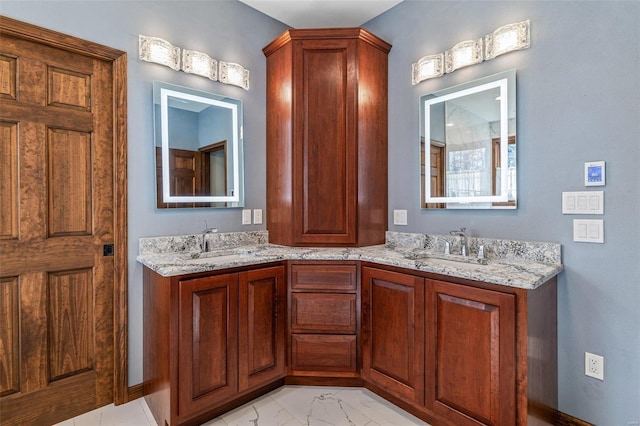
[[246, 217], [399, 217], [594, 365], [257, 216]]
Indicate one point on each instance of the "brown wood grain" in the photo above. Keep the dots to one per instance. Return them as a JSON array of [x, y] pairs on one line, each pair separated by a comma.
[[323, 312], [208, 342], [261, 343], [9, 180], [324, 276], [53, 94], [472, 336], [10, 347], [327, 138], [393, 338]]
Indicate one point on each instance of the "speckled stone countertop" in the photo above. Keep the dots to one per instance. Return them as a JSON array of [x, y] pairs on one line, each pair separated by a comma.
[[511, 263]]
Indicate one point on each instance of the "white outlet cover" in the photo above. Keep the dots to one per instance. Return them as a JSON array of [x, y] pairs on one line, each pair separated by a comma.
[[246, 217], [594, 365], [399, 217], [257, 216]]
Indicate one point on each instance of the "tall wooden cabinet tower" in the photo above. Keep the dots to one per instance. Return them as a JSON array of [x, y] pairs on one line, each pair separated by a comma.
[[327, 138]]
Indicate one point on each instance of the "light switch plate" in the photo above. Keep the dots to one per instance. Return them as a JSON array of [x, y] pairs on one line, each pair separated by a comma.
[[257, 216], [399, 217], [246, 217], [583, 202], [588, 230]]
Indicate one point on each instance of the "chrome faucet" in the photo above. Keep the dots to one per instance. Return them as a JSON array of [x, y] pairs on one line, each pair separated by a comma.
[[464, 250], [205, 241]]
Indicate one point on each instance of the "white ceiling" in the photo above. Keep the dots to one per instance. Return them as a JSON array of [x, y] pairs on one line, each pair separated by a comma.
[[322, 13]]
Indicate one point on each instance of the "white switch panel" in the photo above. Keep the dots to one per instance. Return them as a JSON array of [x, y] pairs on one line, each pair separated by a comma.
[[246, 217], [588, 231], [583, 202], [257, 216], [399, 217]]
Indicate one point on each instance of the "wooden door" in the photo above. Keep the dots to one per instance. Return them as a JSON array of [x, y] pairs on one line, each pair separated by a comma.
[[470, 359], [325, 148], [261, 346], [208, 342], [393, 332], [57, 216]]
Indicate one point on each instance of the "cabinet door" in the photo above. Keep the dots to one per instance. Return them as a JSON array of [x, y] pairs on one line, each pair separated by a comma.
[[393, 332], [325, 141], [262, 326], [470, 361], [208, 345]]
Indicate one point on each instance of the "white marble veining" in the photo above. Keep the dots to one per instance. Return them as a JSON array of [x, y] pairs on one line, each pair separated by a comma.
[[318, 406], [512, 263], [285, 406]]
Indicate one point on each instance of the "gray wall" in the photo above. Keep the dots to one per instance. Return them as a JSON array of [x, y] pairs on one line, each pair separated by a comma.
[[225, 29], [578, 100]]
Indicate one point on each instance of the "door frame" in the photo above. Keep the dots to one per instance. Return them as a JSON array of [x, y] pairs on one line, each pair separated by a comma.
[[118, 60]]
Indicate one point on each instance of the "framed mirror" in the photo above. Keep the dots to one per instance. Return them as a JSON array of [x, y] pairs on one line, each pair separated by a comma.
[[198, 148], [469, 161]]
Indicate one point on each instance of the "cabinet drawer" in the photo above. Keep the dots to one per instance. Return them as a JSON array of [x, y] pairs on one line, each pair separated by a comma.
[[319, 352], [323, 312], [324, 277]]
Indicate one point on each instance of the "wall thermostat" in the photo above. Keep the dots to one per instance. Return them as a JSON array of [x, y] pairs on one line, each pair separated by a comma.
[[594, 173]]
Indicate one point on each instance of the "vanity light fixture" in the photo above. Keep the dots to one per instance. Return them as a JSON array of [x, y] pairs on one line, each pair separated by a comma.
[[429, 66], [159, 51], [231, 73], [194, 62], [463, 54], [507, 38]]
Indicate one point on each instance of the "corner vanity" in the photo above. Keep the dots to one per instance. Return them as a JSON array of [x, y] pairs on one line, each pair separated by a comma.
[[449, 338]]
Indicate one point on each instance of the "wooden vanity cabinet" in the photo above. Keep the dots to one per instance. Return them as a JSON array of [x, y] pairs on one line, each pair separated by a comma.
[[460, 352], [470, 354], [327, 138], [393, 332], [211, 339], [324, 319]]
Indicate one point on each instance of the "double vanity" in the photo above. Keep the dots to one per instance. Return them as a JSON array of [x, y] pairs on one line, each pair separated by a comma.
[[455, 340], [455, 336]]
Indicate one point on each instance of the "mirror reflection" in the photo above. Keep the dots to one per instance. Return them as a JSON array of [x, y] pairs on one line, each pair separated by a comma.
[[198, 148], [470, 160]]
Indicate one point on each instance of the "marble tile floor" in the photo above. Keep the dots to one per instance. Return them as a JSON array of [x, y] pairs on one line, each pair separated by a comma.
[[288, 405]]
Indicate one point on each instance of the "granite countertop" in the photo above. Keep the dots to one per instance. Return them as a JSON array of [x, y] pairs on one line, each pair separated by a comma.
[[511, 263]]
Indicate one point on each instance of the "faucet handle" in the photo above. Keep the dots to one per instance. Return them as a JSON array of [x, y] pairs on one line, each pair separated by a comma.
[[481, 252]]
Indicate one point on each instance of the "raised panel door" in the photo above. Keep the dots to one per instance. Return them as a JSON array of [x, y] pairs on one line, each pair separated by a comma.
[[471, 354], [58, 208], [208, 344], [393, 332], [325, 141], [261, 345]]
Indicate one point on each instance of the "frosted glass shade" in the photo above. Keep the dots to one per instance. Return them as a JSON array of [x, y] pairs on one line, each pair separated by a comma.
[[159, 51], [236, 74], [430, 66], [507, 39], [194, 62], [463, 54]]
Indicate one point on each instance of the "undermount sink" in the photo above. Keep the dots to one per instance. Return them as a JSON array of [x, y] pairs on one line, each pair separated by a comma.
[[428, 255], [214, 256]]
